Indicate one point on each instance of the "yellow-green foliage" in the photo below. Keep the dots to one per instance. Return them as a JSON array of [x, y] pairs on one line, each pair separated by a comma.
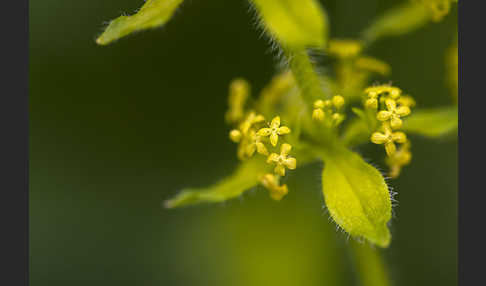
[[154, 13], [356, 195], [303, 117], [294, 23]]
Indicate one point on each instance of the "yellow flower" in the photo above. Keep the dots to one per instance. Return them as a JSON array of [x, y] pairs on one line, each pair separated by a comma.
[[318, 113], [255, 144], [251, 119], [374, 91], [274, 131], [235, 135], [402, 157], [388, 138], [282, 160], [270, 182], [393, 113], [338, 101]]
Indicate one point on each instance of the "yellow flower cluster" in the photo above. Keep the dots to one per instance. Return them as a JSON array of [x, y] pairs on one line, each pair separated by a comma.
[[253, 136], [390, 106], [330, 108]]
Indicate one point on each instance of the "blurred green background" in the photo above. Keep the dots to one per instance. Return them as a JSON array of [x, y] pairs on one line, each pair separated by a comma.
[[116, 130]]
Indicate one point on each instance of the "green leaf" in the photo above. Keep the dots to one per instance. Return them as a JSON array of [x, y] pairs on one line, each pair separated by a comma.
[[397, 21], [432, 123], [245, 177], [295, 23], [154, 13], [356, 195]]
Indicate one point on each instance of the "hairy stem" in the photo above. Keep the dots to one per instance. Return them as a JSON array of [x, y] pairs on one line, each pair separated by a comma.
[[305, 75]]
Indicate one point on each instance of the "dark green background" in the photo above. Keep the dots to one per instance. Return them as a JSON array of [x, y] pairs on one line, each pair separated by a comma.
[[116, 130]]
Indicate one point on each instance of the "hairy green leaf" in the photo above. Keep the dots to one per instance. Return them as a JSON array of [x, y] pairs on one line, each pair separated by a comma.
[[295, 23], [154, 13], [397, 21], [432, 122], [245, 177], [356, 195]]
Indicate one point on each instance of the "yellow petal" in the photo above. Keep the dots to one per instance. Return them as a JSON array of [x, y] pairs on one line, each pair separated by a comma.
[[264, 132], [274, 139], [291, 163], [235, 135], [338, 101], [371, 103], [285, 149], [279, 192], [318, 114], [383, 115], [272, 158], [403, 110], [395, 122], [399, 137], [258, 118], [283, 130], [318, 104], [280, 170], [250, 149], [391, 104], [378, 138], [261, 149], [275, 122], [390, 148]]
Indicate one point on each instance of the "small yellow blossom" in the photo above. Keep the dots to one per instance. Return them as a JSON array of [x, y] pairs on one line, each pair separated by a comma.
[[239, 91], [318, 114], [282, 160], [373, 65], [338, 101], [388, 138], [393, 113], [344, 48], [402, 157], [274, 130], [270, 182], [235, 135], [251, 119], [374, 91], [255, 144]]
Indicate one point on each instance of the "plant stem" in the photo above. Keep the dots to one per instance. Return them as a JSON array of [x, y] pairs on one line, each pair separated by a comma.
[[369, 265], [305, 75]]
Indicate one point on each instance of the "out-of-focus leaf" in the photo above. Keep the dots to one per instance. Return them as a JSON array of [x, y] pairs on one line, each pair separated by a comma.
[[397, 21], [245, 177], [356, 132], [295, 23], [356, 195], [432, 123], [154, 13]]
